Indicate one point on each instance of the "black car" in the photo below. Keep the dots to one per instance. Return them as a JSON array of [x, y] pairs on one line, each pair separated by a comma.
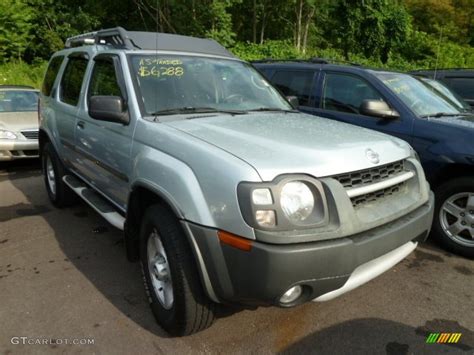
[[461, 81]]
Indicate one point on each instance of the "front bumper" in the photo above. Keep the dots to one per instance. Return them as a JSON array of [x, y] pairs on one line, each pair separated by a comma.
[[261, 276], [18, 149]]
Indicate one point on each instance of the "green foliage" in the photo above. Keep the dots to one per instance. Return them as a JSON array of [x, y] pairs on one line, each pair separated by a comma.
[[398, 34], [450, 54], [21, 73], [452, 18], [221, 22], [15, 28], [370, 27], [53, 21], [269, 49]]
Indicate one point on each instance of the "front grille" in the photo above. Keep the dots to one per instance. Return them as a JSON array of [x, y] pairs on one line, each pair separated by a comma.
[[30, 134], [370, 176], [377, 195]]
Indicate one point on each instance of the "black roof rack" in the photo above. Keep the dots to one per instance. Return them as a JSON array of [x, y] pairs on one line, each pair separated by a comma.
[[314, 60], [118, 37], [16, 87]]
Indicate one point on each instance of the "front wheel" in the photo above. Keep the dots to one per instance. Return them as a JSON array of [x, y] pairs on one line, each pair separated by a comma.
[[454, 216], [176, 296]]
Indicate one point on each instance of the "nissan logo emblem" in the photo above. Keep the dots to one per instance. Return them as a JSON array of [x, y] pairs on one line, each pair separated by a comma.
[[372, 156]]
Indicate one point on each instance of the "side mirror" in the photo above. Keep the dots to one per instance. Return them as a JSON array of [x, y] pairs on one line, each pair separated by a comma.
[[293, 100], [108, 108], [377, 108]]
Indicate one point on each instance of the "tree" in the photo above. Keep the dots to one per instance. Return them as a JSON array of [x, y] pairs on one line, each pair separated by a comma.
[[452, 17], [370, 27], [220, 27], [304, 10], [15, 29]]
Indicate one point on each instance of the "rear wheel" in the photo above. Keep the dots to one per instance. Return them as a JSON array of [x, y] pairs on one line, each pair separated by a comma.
[[454, 216], [53, 171], [176, 296]]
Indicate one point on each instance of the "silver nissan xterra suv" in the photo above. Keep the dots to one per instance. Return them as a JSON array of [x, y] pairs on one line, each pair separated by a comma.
[[225, 193]]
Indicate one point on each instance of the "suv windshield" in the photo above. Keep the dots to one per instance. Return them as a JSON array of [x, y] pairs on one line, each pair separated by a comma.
[[190, 84], [423, 101], [18, 100], [446, 92]]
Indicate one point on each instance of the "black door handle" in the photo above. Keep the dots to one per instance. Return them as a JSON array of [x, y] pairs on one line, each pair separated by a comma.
[[81, 124]]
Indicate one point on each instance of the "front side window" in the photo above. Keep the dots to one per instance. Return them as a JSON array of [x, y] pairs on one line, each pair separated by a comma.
[[185, 82], [446, 92], [295, 83], [51, 74], [18, 101], [421, 100], [104, 80], [346, 93], [71, 81]]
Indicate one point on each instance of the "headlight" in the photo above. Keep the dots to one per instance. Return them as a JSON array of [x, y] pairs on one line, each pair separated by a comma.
[[287, 203], [297, 201], [7, 134]]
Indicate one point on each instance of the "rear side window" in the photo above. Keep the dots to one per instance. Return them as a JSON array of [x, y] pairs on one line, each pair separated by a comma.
[[71, 81], [50, 76], [295, 83], [345, 93], [462, 86]]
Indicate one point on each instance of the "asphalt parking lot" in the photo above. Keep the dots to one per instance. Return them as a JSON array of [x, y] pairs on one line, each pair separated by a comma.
[[64, 276]]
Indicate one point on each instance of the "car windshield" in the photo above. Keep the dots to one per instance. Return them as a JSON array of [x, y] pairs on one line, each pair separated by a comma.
[[190, 84], [446, 92], [18, 100], [422, 101]]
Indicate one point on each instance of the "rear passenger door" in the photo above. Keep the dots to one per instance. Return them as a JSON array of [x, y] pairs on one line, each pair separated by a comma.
[[104, 147], [296, 82], [67, 104], [341, 95]]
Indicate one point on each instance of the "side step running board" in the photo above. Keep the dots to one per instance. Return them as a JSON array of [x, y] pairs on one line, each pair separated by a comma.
[[97, 202]]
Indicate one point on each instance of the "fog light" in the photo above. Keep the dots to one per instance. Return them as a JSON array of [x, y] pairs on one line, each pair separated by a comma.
[[265, 218], [291, 295]]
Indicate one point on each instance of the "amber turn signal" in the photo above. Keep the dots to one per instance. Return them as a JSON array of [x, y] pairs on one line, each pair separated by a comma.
[[234, 241]]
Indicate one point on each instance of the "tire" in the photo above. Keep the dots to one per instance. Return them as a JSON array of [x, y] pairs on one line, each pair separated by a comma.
[[59, 193], [190, 310], [454, 230]]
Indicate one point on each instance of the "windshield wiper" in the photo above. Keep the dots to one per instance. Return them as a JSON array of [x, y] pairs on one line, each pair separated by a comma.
[[181, 110], [271, 109], [445, 114]]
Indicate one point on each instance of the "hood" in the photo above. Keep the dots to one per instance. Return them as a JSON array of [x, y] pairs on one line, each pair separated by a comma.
[[459, 121], [18, 121], [286, 143]]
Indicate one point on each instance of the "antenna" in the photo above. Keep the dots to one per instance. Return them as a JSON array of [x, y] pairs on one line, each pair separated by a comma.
[[438, 54]]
